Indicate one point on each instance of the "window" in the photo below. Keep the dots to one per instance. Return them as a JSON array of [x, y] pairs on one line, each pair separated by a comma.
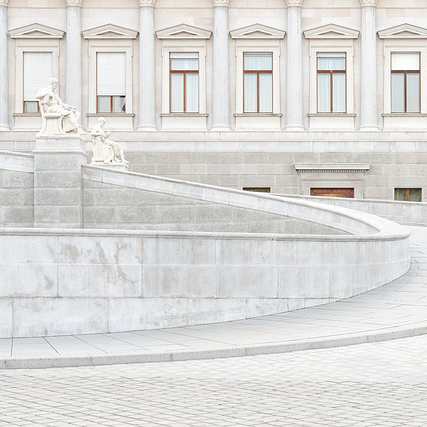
[[405, 82], [111, 82], [331, 83], [184, 83], [257, 189], [258, 83], [407, 194], [333, 192], [38, 70]]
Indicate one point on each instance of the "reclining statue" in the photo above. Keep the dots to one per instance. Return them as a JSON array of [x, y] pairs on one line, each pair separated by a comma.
[[58, 117], [106, 151]]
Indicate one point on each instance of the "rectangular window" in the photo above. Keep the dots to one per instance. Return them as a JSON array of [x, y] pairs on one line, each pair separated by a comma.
[[184, 83], [37, 72], [331, 83], [407, 194], [258, 83], [257, 189], [405, 82], [333, 192], [111, 82]]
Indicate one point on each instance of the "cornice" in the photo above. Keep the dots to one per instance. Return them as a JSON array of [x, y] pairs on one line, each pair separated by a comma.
[[223, 3], [4, 2], [365, 3], [147, 3], [74, 3], [294, 3]]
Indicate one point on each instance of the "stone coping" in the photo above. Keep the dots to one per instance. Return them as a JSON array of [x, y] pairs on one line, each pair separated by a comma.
[[17, 162]]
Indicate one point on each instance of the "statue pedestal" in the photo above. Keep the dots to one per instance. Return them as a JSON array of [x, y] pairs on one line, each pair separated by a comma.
[[58, 187]]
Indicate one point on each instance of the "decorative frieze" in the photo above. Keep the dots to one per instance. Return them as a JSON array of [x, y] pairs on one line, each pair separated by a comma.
[[297, 3], [74, 3], [368, 3], [221, 2], [149, 3]]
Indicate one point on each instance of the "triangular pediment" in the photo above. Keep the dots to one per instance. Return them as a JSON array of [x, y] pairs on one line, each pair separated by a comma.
[[110, 31], [404, 31], [257, 31], [36, 31], [183, 31], [331, 31]]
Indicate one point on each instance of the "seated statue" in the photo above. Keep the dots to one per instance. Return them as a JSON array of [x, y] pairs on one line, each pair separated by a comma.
[[105, 151], [58, 117]]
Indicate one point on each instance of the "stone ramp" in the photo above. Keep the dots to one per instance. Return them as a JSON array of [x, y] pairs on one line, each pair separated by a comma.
[[396, 310]]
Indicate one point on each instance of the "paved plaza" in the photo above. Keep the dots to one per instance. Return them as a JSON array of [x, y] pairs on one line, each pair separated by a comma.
[[378, 384]]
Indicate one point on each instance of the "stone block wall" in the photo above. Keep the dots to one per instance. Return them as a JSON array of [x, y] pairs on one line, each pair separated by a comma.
[[16, 199], [113, 206]]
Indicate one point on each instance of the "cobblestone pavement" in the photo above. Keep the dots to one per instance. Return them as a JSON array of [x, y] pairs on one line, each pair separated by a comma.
[[378, 384]]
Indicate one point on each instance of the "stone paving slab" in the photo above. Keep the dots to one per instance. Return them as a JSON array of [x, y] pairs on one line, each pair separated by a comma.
[[396, 310]]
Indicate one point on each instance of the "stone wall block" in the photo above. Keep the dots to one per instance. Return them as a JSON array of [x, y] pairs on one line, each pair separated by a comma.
[[99, 214], [58, 196], [17, 215], [49, 179], [12, 179], [179, 281]]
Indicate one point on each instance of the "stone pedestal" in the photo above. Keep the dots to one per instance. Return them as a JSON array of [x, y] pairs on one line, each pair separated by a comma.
[[58, 181]]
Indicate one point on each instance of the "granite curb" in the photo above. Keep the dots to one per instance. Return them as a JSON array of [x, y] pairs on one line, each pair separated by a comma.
[[385, 334]]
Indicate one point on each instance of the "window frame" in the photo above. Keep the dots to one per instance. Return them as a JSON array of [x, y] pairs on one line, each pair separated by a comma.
[[258, 72], [176, 46], [20, 82], [94, 49], [407, 190], [271, 46], [331, 74], [332, 46], [405, 73], [184, 72], [415, 47]]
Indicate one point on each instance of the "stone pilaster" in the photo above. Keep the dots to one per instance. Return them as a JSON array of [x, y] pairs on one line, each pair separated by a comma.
[[368, 71], [294, 93], [147, 80], [58, 185], [4, 75], [220, 91], [73, 81]]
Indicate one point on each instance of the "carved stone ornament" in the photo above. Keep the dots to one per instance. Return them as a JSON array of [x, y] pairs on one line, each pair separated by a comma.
[[149, 3], [368, 3], [294, 2], [220, 2], [4, 2], [74, 2]]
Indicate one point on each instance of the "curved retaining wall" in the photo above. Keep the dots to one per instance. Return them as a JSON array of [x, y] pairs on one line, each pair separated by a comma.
[[58, 281]]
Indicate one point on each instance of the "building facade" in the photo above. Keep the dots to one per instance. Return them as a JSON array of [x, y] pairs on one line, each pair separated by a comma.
[[318, 97]]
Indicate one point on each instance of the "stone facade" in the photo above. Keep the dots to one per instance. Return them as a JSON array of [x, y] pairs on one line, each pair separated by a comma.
[[221, 144]]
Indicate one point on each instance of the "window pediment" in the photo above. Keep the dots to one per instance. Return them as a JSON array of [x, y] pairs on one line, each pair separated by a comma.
[[257, 31], [404, 31], [36, 31], [110, 31], [183, 31], [331, 31]]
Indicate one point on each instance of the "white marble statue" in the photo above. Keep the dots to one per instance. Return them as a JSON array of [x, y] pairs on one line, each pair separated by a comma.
[[106, 151], [58, 118]]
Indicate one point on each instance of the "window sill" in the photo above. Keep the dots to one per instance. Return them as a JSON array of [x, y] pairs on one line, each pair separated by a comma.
[[404, 115], [257, 115], [331, 115], [110, 115], [184, 115]]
